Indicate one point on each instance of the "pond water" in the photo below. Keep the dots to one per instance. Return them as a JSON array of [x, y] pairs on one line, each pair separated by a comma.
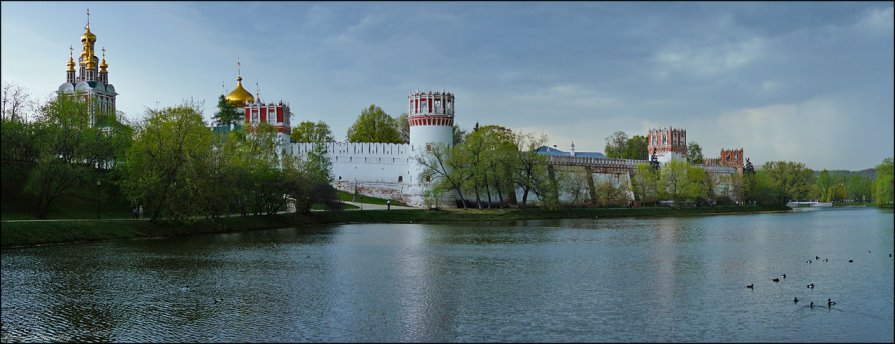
[[667, 279]]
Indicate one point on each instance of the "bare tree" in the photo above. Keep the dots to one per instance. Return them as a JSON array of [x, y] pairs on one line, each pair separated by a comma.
[[17, 103]]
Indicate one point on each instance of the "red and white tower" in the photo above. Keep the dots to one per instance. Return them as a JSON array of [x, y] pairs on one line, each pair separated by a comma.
[[667, 144], [431, 118]]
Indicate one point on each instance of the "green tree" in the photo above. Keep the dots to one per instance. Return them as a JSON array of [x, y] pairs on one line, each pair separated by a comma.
[[499, 157], [265, 171], [164, 163], [574, 184], [859, 188], [645, 182], [227, 114], [762, 190], [442, 171], [404, 128], [698, 185], [616, 144], [308, 131], [823, 186], [68, 151], [694, 154], [792, 180], [838, 192], [636, 148], [487, 154], [883, 185], [18, 141], [318, 165], [307, 181], [374, 125], [608, 195], [473, 153], [674, 180], [530, 172]]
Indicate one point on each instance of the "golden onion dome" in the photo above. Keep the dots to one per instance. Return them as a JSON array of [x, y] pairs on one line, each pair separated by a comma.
[[88, 36], [239, 95], [90, 63], [71, 61], [103, 65]]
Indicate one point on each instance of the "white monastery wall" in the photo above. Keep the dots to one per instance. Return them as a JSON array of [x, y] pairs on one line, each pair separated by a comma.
[[384, 170]]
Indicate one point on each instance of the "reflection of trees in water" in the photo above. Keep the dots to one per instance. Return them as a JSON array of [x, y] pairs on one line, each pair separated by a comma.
[[81, 310]]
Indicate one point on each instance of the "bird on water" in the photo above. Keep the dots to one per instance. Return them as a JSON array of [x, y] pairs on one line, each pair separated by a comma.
[[784, 276], [749, 286], [810, 286], [795, 300], [830, 303], [776, 280], [811, 305]]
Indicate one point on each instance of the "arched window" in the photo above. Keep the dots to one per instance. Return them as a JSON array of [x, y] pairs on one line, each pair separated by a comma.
[[400, 179]]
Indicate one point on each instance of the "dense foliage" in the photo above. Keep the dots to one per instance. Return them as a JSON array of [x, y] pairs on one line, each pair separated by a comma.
[[307, 131], [226, 114], [374, 125], [883, 186], [619, 146]]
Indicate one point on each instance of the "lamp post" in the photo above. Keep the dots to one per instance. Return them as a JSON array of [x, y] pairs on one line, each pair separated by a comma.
[[98, 183]]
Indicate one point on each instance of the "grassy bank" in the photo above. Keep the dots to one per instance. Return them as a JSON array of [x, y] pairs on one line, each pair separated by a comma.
[[31, 233]]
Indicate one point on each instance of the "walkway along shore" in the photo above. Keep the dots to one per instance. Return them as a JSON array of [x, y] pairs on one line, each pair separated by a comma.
[[24, 233]]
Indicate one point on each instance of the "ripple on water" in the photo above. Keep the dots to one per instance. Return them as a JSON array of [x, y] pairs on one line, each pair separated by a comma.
[[570, 280]]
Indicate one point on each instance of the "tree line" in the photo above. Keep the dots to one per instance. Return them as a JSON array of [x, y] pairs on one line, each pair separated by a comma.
[[170, 162], [372, 125], [174, 165]]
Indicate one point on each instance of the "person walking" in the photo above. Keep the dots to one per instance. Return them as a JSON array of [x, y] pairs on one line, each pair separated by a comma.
[[388, 205], [140, 212]]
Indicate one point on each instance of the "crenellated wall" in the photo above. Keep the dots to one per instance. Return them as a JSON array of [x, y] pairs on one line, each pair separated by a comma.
[[386, 170]]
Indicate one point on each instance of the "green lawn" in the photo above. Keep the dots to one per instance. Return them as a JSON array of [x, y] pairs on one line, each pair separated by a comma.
[[349, 197]]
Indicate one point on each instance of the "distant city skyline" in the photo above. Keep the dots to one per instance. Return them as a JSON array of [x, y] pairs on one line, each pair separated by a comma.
[[807, 82]]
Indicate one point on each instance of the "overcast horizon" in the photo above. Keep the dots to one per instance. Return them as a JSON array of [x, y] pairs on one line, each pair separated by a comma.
[[806, 82]]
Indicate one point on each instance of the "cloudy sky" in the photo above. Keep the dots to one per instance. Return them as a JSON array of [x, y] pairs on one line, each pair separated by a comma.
[[808, 82]]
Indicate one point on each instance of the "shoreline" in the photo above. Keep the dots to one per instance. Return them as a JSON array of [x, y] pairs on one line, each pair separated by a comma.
[[23, 234]]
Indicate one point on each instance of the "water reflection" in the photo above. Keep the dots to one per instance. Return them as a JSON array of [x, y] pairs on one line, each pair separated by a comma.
[[555, 280]]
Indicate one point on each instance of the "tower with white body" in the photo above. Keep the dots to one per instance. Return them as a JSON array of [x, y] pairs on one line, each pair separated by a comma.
[[431, 119]]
